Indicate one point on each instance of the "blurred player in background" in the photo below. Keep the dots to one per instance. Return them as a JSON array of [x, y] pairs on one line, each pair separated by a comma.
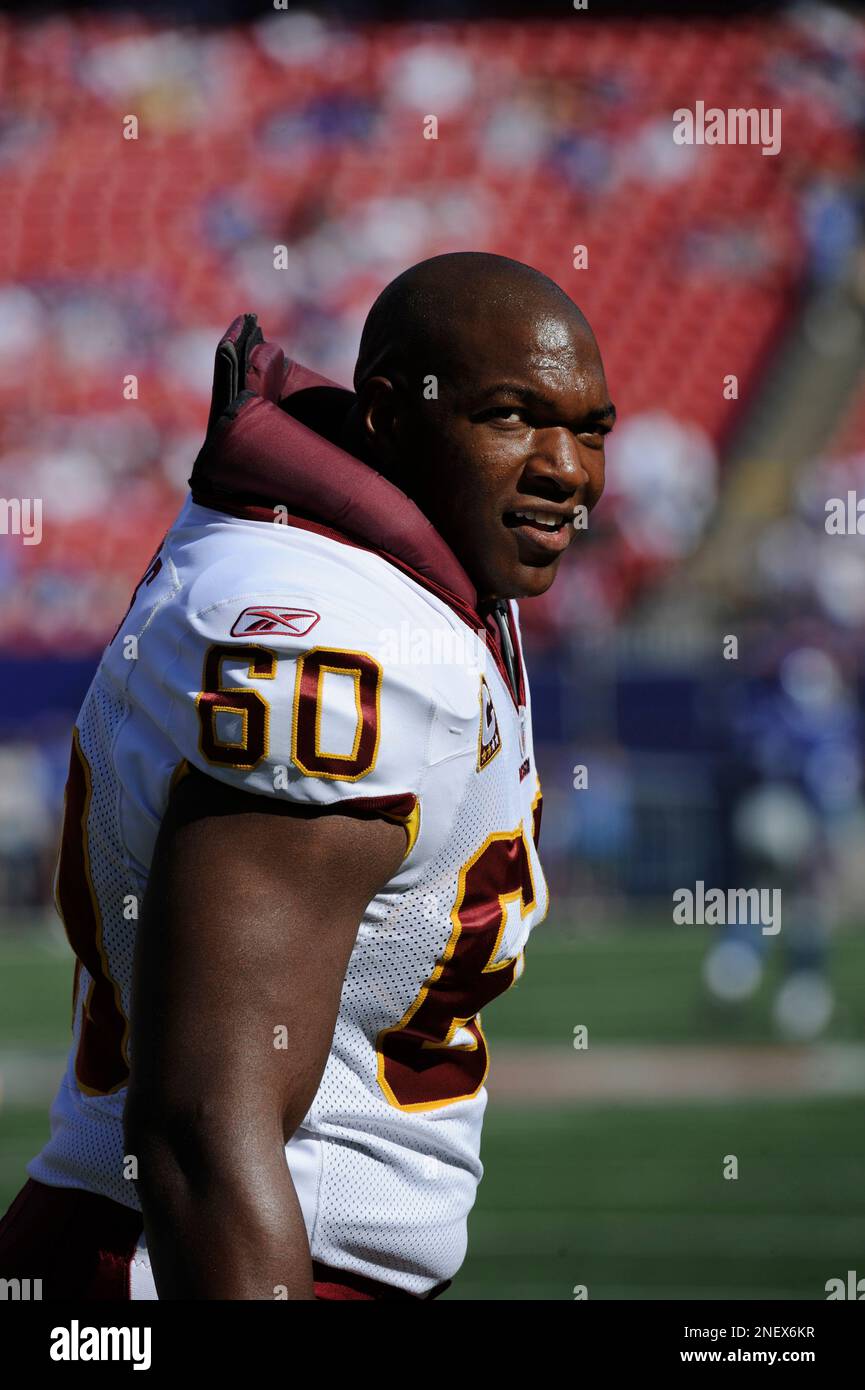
[[797, 742]]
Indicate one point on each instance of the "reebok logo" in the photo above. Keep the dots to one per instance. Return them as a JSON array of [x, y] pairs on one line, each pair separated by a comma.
[[294, 622]]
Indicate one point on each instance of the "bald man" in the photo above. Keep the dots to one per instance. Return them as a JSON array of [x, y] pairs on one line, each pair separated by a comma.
[[300, 847], [480, 391]]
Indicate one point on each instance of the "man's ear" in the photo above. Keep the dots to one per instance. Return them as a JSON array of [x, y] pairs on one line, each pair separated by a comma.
[[378, 415]]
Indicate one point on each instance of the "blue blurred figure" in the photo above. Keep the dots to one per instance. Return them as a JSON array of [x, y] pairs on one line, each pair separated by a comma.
[[797, 743]]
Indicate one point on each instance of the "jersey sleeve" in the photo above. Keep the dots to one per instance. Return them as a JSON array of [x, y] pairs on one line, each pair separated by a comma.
[[297, 701]]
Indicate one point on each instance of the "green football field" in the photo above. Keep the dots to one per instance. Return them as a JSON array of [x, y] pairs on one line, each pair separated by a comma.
[[624, 1197]]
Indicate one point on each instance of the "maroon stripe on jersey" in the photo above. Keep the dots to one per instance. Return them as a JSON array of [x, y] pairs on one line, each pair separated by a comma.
[[537, 811], [396, 804], [518, 657], [343, 1284]]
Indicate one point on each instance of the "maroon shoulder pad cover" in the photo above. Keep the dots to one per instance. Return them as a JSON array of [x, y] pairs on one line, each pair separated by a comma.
[[256, 450]]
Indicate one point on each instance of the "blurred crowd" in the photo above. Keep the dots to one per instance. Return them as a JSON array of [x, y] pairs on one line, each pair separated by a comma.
[[126, 257], [298, 142]]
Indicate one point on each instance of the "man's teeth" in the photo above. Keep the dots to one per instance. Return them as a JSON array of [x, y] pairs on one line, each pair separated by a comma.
[[550, 519]]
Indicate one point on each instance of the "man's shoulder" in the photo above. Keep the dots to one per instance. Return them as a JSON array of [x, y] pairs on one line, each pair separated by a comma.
[[222, 560], [292, 665], [226, 584]]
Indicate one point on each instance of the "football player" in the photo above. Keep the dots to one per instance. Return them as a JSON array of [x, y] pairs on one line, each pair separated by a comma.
[[299, 854]]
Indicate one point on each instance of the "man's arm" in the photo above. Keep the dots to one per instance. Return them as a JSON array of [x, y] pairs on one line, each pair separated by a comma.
[[248, 923]]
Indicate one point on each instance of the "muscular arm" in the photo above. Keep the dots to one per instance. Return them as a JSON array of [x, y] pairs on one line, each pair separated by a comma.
[[249, 920]]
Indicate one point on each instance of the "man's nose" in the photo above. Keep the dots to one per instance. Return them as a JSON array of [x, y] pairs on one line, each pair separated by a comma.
[[557, 457]]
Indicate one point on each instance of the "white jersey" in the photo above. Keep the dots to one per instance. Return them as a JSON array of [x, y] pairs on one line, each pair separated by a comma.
[[293, 665]]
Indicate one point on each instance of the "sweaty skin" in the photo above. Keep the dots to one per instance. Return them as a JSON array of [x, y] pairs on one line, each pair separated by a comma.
[[237, 934]]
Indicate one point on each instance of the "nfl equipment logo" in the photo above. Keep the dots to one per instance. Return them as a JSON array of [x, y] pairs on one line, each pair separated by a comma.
[[289, 622], [489, 738]]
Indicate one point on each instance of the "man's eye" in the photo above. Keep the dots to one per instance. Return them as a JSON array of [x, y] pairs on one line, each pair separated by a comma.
[[509, 414], [594, 438]]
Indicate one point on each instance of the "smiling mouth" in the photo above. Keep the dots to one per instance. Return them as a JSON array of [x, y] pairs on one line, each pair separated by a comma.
[[540, 530], [544, 521]]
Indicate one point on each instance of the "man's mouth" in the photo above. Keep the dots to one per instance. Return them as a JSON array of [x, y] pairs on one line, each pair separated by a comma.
[[540, 529]]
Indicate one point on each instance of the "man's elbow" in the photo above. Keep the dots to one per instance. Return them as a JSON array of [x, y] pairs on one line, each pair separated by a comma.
[[184, 1150], [172, 1147]]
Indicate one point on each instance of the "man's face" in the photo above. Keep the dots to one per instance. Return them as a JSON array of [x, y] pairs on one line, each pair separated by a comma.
[[511, 447]]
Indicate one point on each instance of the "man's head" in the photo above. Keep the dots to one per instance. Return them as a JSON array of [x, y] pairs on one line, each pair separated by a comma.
[[481, 392]]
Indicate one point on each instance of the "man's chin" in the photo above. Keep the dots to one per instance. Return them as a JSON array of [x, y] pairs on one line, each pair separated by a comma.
[[538, 579], [522, 581]]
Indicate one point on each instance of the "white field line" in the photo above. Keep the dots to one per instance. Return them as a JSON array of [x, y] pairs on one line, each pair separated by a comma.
[[30, 1078], [627, 1073]]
